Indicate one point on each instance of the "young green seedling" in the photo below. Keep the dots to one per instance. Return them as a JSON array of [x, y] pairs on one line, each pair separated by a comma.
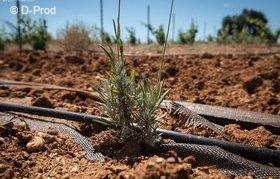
[[126, 102]]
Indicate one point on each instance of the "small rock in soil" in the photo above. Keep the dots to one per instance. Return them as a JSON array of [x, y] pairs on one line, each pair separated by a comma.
[[171, 160], [75, 168], [159, 159], [2, 140], [251, 85], [43, 102], [36, 144]]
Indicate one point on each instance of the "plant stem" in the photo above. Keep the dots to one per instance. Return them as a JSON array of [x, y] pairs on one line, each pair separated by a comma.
[[165, 43]]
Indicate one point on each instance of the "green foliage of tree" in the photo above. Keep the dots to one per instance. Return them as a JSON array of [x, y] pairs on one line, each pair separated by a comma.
[[33, 32], [210, 38], [159, 33], [243, 36], [40, 35], [188, 37], [131, 35], [2, 40], [277, 35], [250, 26], [2, 44], [106, 37]]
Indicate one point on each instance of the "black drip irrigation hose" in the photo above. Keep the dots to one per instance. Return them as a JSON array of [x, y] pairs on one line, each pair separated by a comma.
[[61, 114], [259, 154], [216, 114]]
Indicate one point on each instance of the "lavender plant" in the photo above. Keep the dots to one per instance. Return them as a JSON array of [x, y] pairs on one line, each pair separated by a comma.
[[126, 102]]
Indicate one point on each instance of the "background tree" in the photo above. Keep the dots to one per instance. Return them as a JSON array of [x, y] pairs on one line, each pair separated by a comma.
[[249, 26], [2, 44], [277, 35], [40, 35], [210, 38], [131, 35], [188, 37], [2, 39], [106, 37], [159, 33], [33, 32]]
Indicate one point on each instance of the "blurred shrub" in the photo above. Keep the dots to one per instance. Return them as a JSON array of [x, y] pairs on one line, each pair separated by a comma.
[[39, 44], [40, 36], [33, 32], [106, 37], [188, 37], [2, 39], [2, 44], [75, 37], [158, 33], [277, 35], [210, 38], [250, 26], [131, 35]]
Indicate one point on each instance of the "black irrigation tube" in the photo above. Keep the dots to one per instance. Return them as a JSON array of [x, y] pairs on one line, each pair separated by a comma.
[[216, 114], [262, 155], [40, 111]]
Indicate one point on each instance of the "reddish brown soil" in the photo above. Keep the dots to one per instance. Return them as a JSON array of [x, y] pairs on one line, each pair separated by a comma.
[[59, 157], [242, 81], [249, 81]]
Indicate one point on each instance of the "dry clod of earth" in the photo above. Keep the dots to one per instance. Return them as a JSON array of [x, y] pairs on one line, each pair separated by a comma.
[[42, 102], [259, 137], [36, 144], [74, 59], [251, 85]]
